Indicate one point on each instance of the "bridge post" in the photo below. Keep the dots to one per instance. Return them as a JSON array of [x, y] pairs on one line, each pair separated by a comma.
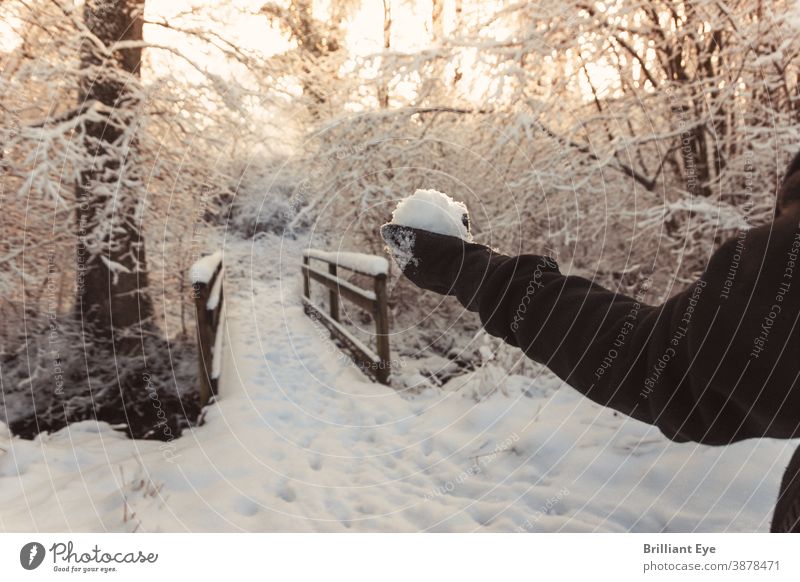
[[382, 329], [306, 283], [333, 294], [208, 322]]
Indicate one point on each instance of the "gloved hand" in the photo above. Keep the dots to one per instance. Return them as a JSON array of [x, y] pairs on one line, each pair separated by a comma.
[[443, 264]]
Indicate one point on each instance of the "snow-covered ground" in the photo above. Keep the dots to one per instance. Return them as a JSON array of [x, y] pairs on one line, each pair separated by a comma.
[[300, 440]]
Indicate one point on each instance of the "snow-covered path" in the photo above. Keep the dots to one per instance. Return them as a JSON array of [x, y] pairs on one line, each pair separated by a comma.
[[301, 441]]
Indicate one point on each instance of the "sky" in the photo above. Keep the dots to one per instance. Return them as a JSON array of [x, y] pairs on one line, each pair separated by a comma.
[[240, 22]]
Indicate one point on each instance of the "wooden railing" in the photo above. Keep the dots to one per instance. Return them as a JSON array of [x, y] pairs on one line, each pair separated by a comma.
[[206, 276], [377, 363]]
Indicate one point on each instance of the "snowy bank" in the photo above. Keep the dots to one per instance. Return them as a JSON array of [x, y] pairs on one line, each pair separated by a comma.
[[301, 441]]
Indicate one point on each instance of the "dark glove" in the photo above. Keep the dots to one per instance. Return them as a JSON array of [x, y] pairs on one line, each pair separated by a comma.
[[443, 264]]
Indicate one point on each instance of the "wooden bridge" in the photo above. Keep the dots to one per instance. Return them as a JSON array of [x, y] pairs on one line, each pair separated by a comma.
[[207, 293], [375, 363]]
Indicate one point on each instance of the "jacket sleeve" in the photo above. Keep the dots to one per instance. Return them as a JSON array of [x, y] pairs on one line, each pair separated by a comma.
[[673, 365]]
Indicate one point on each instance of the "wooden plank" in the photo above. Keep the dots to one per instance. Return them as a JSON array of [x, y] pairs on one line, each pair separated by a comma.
[[367, 362], [306, 285], [333, 294], [206, 322], [335, 258], [346, 290], [339, 282], [376, 365], [368, 354], [382, 330]]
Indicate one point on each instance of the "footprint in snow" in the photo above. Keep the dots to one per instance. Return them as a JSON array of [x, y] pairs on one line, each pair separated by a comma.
[[246, 507], [315, 462], [287, 493], [632, 445], [366, 508], [304, 441], [339, 511]]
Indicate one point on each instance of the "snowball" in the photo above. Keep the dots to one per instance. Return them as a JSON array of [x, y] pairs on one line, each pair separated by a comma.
[[433, 211], [401, 245]]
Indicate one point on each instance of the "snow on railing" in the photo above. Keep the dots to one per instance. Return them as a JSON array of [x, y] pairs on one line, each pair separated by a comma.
[[207, 275], [374, 363], [357, 262]]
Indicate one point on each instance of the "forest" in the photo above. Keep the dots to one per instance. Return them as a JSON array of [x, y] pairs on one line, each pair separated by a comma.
[[625, 139]]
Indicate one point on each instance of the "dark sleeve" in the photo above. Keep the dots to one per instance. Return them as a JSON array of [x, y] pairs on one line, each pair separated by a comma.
[[672, 365]]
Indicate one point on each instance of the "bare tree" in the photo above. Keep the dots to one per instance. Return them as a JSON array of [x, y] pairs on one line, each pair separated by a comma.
[[383, 87], [319, 42], [437, 20]]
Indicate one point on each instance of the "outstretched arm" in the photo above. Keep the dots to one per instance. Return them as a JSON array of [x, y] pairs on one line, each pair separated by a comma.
[[607, 345], [677, 366]]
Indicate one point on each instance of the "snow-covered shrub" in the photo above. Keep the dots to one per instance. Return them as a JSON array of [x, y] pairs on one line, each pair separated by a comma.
[[570, 140], [265, 201]]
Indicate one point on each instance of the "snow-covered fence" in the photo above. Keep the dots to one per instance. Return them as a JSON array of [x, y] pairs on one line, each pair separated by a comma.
[[376, 363], [206, 276]]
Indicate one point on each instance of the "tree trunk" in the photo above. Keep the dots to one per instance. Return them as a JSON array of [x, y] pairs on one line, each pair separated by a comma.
[[383, 88], [437, 20], [112, 271]]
